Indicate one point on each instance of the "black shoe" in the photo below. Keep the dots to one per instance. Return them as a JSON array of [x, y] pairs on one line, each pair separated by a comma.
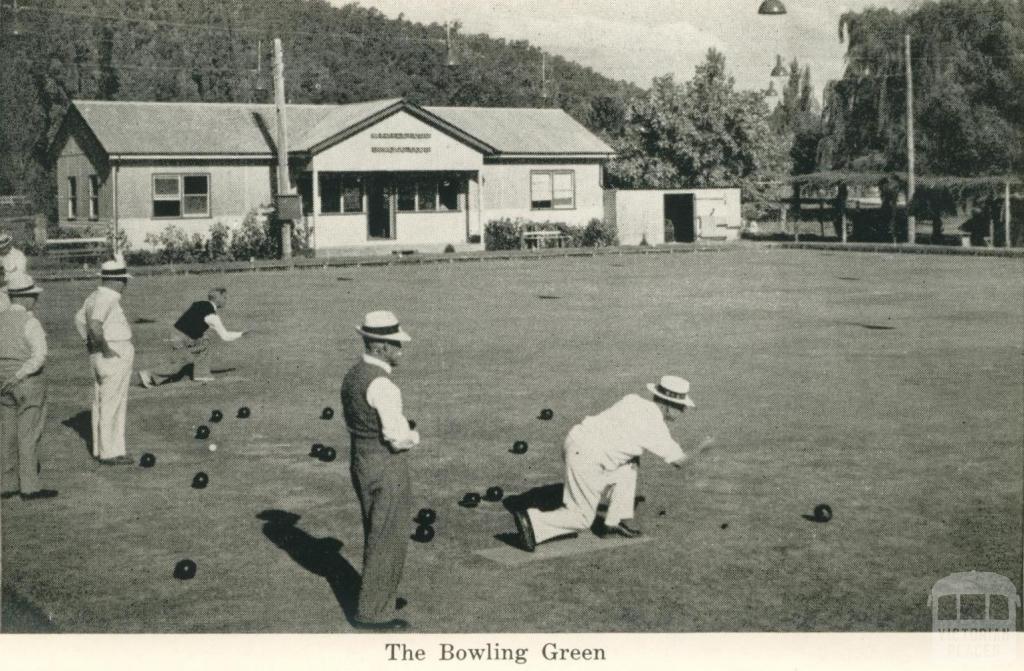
[[40, 494], [9, 495], [390, 625], [526, 537], [602, 530]]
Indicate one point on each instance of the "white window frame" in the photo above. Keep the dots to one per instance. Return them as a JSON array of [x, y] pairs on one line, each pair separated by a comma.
[[94, 197], [180, 196], [551, 176], [72, 197]]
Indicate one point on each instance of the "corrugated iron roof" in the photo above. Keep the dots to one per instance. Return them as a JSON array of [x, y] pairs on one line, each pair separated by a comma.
[[514, 130], [190, 128]]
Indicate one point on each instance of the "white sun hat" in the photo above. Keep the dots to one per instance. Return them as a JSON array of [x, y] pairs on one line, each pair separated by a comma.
[[382, 325], [673, 389], [115, 269], [20, 284]]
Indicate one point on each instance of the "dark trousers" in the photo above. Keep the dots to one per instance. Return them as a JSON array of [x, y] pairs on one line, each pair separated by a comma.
[[381, 479]]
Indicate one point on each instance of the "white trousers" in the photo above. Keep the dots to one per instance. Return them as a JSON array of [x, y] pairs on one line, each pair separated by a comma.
[[585, 481], [110, 399]]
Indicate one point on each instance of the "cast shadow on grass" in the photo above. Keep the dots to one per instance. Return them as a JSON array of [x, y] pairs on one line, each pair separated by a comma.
[[320, 556], [82, 425], [544, 497]]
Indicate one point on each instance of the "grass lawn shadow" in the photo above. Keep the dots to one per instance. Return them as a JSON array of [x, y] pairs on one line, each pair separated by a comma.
[[82, 425], [545, 497], [320, 556]]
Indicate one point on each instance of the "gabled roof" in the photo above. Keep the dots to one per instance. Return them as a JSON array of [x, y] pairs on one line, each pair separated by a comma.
[[127, 128], [514, 130]]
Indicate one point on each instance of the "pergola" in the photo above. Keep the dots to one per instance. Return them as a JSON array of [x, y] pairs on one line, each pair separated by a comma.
[[838, 178]]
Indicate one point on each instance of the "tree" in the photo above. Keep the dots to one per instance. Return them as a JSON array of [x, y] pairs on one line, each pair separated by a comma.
[[703, 133]]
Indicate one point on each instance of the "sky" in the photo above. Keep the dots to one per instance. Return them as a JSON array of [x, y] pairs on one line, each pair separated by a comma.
[[638, 40]]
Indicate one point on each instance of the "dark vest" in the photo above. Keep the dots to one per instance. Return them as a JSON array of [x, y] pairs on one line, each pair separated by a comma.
[[193, 322], [361, 419]]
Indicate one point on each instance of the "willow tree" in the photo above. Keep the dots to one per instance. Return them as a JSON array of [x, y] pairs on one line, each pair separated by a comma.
[[967, 58]]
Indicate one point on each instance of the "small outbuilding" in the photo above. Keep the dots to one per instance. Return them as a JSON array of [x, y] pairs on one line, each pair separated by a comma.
[[673, 215]]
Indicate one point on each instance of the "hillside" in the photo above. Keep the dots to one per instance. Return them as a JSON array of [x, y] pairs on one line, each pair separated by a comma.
[[54, 51]]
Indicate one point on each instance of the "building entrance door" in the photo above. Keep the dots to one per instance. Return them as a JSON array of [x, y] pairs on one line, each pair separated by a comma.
[[679, 217], [379, 206]]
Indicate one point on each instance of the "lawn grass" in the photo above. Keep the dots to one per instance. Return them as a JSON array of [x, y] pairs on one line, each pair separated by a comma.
[[911, 432]]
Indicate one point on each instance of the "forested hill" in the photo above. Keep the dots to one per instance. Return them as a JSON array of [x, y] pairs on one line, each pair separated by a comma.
[[53, 51]]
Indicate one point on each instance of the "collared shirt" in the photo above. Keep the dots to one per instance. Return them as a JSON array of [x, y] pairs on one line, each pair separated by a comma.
[[14, 261], [104, 306], [624, 431], [218, 326], [36, 338], [386, 398]]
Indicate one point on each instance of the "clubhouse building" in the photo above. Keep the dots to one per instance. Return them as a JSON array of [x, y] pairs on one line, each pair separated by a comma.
[[386, 174]]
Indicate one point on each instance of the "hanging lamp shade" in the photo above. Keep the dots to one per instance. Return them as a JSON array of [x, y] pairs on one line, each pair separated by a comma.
[[772, 8], [779, 70]]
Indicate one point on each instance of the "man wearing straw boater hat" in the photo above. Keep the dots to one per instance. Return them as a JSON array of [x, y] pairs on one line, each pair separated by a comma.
[[22, 391], [12, 259], [104, 327], [602, 455], [380, 438]]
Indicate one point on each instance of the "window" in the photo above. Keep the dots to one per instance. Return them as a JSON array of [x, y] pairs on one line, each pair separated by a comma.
[[94, 197], [72, 197], [406, 196], [340, 193], [448, 194], [555, 190], [181, 195], [428, 194]]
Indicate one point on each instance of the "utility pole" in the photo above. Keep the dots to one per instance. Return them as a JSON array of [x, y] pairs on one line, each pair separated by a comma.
[[283, 183], [1006, 218], [911, 219]]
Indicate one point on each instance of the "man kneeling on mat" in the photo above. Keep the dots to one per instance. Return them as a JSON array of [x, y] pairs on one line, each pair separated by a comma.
[[602, 455]]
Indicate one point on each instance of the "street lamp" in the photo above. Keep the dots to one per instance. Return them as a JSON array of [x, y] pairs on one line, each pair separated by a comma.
[[772, 8]]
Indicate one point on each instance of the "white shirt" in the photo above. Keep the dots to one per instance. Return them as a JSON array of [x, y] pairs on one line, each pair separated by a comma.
[[5, 302], [624, 431], [36, 337], [214, 321], [386, 398], [14, 261], [104, 306]]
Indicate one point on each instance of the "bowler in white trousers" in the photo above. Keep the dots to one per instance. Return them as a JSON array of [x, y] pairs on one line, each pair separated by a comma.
[[601, 461], [103, 325]]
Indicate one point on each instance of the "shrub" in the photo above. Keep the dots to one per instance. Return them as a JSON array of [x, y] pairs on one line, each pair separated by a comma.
[[176, 246], [217, 247], [599, 233], [501, 234], [255, 238], [505, 233], [449, 249]]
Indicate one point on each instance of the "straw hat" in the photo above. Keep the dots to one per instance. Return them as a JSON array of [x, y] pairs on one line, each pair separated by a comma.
[[20, 284], [115, 269], [672, 389], [382, 325]]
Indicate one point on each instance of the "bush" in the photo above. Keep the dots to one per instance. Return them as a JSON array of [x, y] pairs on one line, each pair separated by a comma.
[[176, 246], [505, 233], [599, 233], [501, 234], [255, 238], [449, 249]]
